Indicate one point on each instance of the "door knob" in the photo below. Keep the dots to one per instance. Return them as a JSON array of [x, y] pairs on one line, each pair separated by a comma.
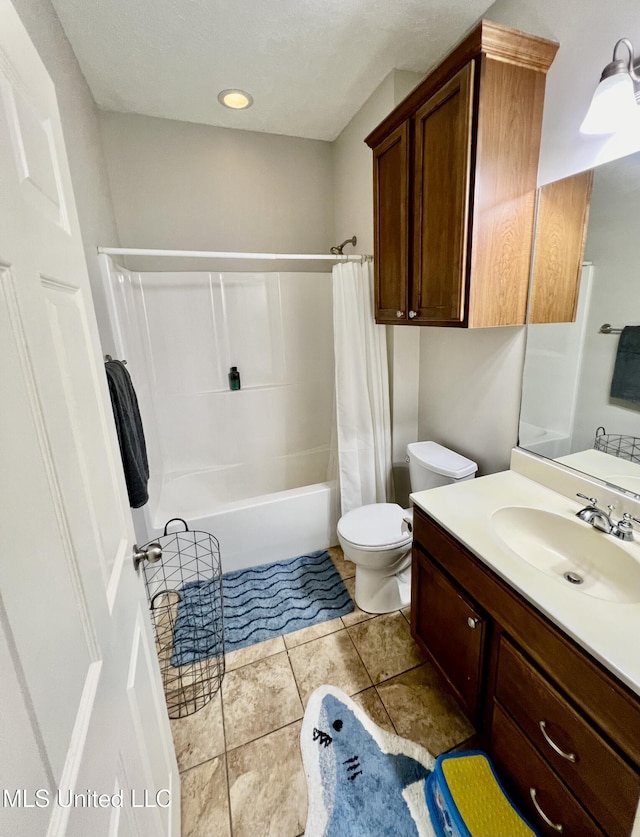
[[412, 314], [473, 621], [399, 314], [152, 554]]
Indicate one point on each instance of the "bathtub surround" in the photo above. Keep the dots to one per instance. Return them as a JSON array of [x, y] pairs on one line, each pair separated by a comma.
[[361, 779], [362, 390], [250, 465], [267, 601]]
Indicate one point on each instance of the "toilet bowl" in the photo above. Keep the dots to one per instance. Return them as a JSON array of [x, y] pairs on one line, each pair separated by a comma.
[[378, 537]]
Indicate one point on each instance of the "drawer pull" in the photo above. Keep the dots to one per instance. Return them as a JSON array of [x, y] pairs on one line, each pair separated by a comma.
[[556, 826], [543, 729], [473, 621]]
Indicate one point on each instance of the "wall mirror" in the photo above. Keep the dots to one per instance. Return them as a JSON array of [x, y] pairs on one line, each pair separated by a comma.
[[568, 412]]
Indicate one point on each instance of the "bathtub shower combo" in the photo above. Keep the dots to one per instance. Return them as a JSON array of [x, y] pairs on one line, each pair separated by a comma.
[[252, 466]]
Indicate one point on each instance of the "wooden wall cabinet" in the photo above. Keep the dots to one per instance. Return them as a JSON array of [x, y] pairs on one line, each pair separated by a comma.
[[561, 234], [455, 169], [562, 731]]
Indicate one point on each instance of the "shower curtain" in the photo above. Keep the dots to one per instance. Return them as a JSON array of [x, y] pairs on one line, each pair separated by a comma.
[[362, 390]]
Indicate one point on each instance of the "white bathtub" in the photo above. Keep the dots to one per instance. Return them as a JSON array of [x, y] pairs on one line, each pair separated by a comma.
[[283, 518]]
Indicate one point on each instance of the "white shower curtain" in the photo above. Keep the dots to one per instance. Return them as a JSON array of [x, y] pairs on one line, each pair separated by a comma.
[[362, 390]]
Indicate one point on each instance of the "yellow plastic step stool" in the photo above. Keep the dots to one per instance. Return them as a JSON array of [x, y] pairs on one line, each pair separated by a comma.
[[466, 799]]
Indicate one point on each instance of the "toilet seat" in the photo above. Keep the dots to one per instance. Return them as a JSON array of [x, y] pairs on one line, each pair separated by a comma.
[[379, 526]]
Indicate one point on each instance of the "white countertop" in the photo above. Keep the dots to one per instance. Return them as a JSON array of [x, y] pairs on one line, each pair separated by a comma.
[[609, 631]]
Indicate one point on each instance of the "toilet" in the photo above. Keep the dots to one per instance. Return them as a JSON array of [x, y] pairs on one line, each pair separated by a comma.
[[377, 537]]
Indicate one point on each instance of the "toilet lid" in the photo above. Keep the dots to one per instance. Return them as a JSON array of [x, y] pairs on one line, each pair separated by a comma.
[[377, 525]]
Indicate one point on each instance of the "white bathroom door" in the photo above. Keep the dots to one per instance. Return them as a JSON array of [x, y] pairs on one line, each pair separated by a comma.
[[85, 741]]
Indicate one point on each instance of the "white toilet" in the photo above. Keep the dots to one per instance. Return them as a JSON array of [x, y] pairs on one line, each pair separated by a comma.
[[377, 538]]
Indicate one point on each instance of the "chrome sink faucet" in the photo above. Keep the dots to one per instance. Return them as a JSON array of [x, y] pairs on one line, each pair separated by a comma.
[[602, 520]]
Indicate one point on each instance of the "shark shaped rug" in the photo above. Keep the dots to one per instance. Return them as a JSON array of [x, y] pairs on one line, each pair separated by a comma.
[[362, 781]]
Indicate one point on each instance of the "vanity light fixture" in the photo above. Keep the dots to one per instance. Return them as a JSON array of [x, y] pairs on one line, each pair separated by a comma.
[[614, 105], [235, 99]]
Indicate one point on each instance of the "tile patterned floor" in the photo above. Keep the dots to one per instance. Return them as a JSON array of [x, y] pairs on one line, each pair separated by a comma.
[[239, 757]]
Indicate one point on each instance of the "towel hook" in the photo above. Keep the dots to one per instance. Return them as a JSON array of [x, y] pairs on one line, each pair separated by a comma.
[[108, 358]]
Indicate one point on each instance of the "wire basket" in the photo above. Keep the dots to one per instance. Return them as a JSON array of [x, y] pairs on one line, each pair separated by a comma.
[[184, 588], [624, 447]]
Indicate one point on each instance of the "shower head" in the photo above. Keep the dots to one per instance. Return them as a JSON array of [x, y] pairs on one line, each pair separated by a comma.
[[337, 250]]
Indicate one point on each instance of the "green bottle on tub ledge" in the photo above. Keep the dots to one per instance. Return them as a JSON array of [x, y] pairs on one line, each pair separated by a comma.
[[234, 378]]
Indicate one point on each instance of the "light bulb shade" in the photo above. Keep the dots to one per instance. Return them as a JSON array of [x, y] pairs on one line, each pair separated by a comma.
[[613, 106], [235, 99]]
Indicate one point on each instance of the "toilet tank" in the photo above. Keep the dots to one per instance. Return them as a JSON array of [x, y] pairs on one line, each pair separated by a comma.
[[431, 465]]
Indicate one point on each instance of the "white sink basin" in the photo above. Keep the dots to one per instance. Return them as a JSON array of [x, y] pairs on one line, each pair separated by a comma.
[[572, 552]]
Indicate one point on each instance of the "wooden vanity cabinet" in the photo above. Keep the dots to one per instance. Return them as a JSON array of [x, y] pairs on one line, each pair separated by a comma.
[[563, 732], [451, 631], [455, 174], [561, 232]]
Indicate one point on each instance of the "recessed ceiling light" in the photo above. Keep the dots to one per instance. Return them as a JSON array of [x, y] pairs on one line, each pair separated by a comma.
[[235, 99]]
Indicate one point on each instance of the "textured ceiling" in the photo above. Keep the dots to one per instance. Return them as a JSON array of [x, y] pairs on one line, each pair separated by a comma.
[[309, 64]]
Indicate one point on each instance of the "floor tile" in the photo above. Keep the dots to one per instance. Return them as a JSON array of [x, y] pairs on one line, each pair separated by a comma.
[[267, 786], [259, 698], [373, 706], [331, 660], [199, 737], [205, 802], [386, 646], [347, 569], [356, 615], [312, 632], [422, 710], [252, 653]]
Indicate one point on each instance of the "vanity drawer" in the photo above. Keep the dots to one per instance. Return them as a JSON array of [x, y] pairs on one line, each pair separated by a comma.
[[516, 758], [599, 777]]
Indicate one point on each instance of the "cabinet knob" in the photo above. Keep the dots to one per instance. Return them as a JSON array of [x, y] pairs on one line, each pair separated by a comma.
[[399, 314], [473, 621], [412, 314]]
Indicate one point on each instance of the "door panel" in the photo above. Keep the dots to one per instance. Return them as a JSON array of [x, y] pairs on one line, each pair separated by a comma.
[[391, 211], [73, 613], [441, 202]]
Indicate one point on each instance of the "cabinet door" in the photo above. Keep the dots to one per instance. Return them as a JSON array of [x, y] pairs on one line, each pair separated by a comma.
[[443, 133], [391, 224], [561, 230], [451, 630]]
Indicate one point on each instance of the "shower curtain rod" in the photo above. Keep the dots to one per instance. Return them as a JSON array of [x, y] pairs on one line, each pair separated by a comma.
[[211, 254]]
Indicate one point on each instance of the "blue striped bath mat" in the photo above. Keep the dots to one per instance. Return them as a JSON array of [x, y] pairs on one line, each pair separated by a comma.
[[259, 603], [274, 599]]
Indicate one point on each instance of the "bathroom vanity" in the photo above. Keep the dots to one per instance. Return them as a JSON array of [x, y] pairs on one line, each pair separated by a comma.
[[549, 675]]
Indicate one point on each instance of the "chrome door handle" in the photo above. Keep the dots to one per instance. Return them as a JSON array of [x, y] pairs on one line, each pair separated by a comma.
[[152, 554], [555, 825], [568, 756]]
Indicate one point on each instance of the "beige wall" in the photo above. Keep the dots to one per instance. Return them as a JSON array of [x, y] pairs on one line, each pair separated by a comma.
[[177, 185], [82, 139]]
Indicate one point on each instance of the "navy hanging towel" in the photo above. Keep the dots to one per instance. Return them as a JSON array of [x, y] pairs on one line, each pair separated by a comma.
[[625, 384], [133, 449]]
